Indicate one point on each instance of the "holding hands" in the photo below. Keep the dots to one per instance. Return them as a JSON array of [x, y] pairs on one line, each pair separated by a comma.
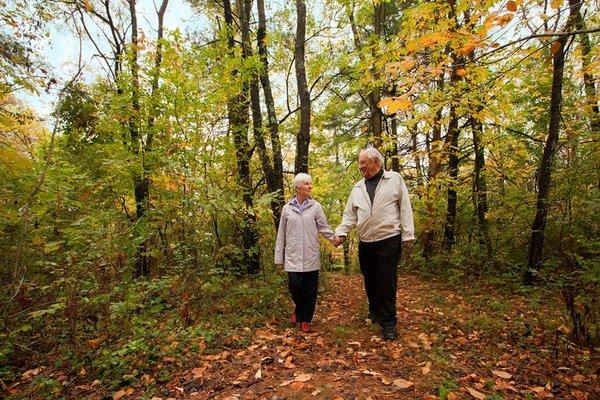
[[337, 240]]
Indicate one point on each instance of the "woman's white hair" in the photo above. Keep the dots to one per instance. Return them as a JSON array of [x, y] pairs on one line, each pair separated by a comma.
[[373, 154], [301, 179]]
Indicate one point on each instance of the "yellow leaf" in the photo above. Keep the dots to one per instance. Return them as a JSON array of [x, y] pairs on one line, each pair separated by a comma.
[[556, 4], [397, 104], [88, 5], [511, 6], [385, 102]]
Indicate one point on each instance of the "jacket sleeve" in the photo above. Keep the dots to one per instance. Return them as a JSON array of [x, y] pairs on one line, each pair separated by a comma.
[[322, 224], [349, 217], [280, 241], [406, 214]]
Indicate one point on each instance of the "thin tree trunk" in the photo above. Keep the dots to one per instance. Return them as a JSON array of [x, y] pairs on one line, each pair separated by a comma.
[[277, 170], [544, 181], [414, 149], [586, 54], [376, 117], [480, 187], [536, 244], [257, 123], [435, 157], [303, 137], [452, 140], [394, 152], [141, 181], [237, 110]]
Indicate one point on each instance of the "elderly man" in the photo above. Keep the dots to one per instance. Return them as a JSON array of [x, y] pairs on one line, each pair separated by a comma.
[[380, 208]]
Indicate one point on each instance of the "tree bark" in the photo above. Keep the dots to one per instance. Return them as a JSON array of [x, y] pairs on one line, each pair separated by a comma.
[[452, 140], [141, 182], [480, 187], [303, 137], [586, 54], [435, 157], [536, 243], [237, 112], [376, 116], [277, 170]]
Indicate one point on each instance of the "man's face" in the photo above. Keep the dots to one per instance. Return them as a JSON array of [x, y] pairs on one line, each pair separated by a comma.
[[367, 167]]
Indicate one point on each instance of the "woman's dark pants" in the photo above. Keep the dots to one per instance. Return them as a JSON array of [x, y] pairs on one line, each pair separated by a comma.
[[303, 288]]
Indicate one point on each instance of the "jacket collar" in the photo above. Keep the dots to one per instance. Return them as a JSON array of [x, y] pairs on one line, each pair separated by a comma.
[[386, 175]]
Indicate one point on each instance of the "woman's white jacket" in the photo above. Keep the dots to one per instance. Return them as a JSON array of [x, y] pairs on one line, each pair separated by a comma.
[[297, 245]]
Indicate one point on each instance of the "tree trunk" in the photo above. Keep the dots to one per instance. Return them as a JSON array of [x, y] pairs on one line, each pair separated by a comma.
[[394, 151], [480, 187], [376, 117], [435, 156], [534, 256], [414, 149], [586, 55], [277, 170], [452, 139], [141, 182], [303, 137], [237, 111]]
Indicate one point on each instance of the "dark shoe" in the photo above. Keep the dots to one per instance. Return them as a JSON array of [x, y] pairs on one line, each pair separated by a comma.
[[389, 332], [293, 319], [305, 327]]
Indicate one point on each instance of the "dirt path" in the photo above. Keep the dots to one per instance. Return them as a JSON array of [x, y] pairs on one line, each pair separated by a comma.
[[450, 347]]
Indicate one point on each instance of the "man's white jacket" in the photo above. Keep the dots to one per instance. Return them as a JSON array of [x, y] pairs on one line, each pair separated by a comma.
[[389, 215]]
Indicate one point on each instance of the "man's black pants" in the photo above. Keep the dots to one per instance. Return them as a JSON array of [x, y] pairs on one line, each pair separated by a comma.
[[378, 264], [303, 288]]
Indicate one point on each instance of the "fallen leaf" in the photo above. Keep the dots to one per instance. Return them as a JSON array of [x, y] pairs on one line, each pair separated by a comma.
[[316, 392], [31, 373], [501, 374], [122, 393], [354, 343], [288, 362], [258, 374], [303, 378], [427, 368], [402, 383], [198, 372], [297, 385], [369, 372], [476, 394], [285, 383], [386, 381]]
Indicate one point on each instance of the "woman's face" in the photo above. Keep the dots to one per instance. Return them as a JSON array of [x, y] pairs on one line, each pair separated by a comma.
[[304, 189]]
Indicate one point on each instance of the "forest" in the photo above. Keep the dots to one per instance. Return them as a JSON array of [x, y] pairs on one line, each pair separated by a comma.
[[138, 216]]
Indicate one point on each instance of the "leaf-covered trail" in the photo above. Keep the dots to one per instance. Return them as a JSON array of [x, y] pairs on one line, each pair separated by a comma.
[[448, 346]]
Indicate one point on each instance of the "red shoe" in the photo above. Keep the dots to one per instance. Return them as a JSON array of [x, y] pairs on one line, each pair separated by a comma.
[[305, 327], [293, 318]]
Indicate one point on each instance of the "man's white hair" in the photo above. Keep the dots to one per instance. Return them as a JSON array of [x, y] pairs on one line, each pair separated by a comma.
[[301, 179], [373, 154]]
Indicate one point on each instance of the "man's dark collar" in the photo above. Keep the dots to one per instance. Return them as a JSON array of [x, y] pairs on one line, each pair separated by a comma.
[[377, 176]]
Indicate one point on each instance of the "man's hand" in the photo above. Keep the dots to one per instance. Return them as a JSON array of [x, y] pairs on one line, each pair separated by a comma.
[[337, 240]]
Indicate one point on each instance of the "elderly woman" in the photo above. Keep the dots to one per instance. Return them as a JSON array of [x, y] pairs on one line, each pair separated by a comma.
[[297, 248]]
